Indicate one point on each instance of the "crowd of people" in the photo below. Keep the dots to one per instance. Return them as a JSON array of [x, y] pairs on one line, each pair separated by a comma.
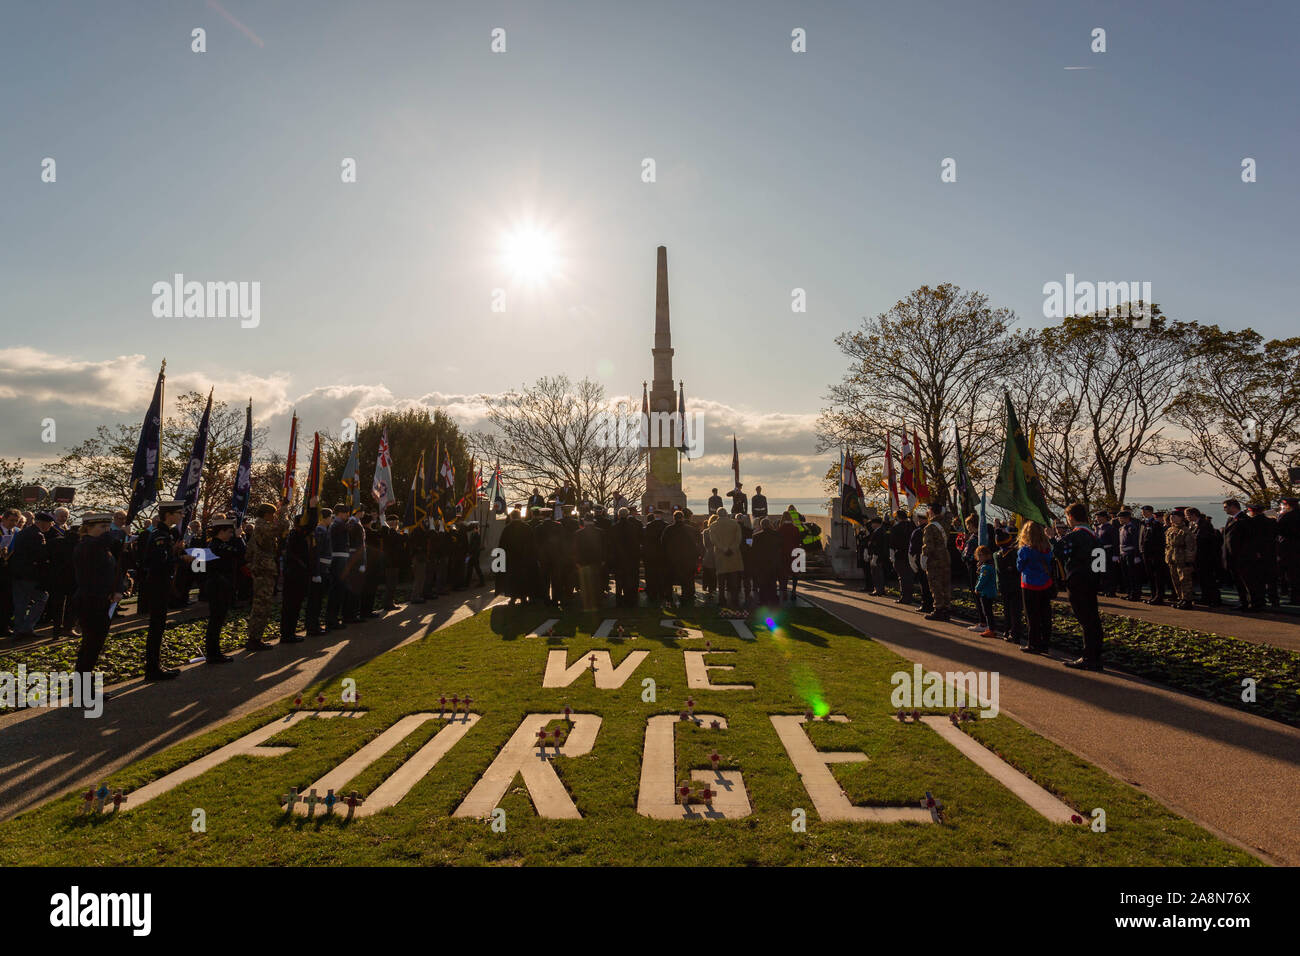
[[331, 567], [336, 567], [1177, 554], [571, 557]]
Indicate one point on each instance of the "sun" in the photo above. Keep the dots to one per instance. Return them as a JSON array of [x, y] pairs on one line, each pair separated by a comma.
[[530, 253]]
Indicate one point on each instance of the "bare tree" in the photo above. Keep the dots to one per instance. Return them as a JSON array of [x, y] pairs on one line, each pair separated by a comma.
[[939, 358], [557, 432]]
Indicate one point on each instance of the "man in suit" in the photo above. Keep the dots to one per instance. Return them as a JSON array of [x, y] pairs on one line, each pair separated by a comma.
[[1151, 542], [1242, 557]]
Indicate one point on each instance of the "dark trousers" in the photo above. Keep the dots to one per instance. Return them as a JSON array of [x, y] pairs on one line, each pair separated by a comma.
[[1038, 615], [295, 593], [315, 599], [927, 597], [729, 587], [60, 609], [1133, 575], [1157, 576], [1207, 574], [1011, 604], [986, 611], [475, 569], [625, 584], [1250, 584], [878, 575], [158, 595], [219, 601], [1082, 589], [905, 578], [92, 615]]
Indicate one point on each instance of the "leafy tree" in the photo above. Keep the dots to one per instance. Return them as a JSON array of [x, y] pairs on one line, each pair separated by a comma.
[[1239, 405], [11, 483], [225, 443], [409, 432]]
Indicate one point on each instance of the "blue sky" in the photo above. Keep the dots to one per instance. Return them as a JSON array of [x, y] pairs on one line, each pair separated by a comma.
[[775, 170]]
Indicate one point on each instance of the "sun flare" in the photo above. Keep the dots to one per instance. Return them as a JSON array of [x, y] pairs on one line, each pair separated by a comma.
[[530, 253]]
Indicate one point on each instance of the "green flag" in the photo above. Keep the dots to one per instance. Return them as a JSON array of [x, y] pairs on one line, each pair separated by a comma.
[[965, 493], [1018, 487]]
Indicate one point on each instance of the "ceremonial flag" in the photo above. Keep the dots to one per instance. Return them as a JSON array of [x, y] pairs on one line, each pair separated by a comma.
[[644, 439], [187, 489], [681, 416], [852, 506], [431, 486], [310, 512], [890, 483], [145, 477], [351, 479], [984, 519], [494, 492], [244, 474], [381, 489], [735, 459], [906, 459], [1018, 487], [965, 493], [918, 478], [290, 466], [448, 471], [415, 512]]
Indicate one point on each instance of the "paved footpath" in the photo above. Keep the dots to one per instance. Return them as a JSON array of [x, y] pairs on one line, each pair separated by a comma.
[[1235, 774], [46, 753]]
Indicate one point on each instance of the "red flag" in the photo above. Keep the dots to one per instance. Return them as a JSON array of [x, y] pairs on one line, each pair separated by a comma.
[[890, 482], [290, 465]]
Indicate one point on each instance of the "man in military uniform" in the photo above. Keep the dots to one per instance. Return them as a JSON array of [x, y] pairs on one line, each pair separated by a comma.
[[915, 545], [759, 504], [1180, 556], [937, 564], [221, 576], [95, 575], [159, 550], [739, 500], [267, 532], [900, 533], [715, 502], [1108, 534]]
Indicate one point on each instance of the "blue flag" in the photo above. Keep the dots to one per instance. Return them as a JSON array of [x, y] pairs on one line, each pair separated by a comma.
[[144, 471], [187, 489], [352, 479], [244, 476]]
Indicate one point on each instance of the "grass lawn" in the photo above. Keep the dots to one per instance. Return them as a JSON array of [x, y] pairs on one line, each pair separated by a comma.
[[810, 660]]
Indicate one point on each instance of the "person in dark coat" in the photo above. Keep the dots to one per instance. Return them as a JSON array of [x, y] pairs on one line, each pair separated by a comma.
[[29, 568], [627, 556], [519, 545], [589, 546], [1151, 542], [222, 575], [298, 571], [1009, 586], [861, 540], [681, 543], [94, 566], [1288, 546], [1241, 555], [900, 533], [1108, 534], [657, 585], [1209, 556], [765, 560], [1264, 531], [61, 540]]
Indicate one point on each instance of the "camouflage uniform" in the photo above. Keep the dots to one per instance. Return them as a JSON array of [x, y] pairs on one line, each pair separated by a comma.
[[938, 564], [1180, 556], [261, 556]]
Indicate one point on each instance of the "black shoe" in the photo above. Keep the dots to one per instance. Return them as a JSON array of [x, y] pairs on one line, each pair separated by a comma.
[[1033, 649], [254, 647], [317, 632], [901, 601], [1011, 639], [292, 639], [939, 616], [1083, 664], [1154, 602], [156, 675], [220, 659]]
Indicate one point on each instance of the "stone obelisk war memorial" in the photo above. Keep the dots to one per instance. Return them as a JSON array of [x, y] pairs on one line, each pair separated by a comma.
[[663, 487]]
